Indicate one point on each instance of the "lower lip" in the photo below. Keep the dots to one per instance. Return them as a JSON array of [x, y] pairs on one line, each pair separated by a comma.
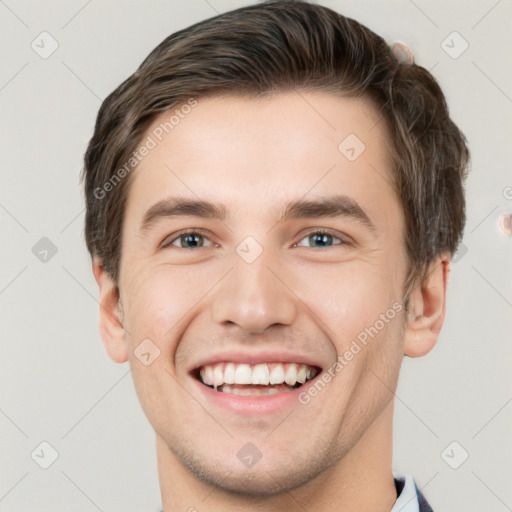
[[258, 404]]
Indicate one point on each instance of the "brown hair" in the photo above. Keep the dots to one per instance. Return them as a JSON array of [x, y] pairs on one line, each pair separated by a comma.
[[279, 46]]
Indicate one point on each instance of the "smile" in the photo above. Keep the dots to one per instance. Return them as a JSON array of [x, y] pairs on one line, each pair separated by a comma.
[[255, 380]]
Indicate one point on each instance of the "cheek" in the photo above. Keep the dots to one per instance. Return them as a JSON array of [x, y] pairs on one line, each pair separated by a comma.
[[350, 298], [155, 303]]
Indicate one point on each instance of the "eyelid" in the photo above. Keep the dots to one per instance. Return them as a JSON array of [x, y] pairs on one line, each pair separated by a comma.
[[344, 239], [169, 239]]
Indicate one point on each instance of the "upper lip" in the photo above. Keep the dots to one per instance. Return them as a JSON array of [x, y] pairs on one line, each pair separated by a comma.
[[253, 357]]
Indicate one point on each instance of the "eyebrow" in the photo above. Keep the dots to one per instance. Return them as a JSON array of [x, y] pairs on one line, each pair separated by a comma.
[[332, 206], [179, 206]]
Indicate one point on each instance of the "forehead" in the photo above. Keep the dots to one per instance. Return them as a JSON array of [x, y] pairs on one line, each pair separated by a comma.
[[257, 154]]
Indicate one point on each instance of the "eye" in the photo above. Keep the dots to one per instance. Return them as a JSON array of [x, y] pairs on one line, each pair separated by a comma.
[[188, 239], [196, 239], [321, 239]]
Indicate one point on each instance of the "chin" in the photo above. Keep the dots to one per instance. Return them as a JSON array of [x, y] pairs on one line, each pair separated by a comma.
[[265, 478], [251, 483]]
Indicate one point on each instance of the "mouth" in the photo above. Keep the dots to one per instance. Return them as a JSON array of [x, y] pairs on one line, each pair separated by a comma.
[[255, 379]]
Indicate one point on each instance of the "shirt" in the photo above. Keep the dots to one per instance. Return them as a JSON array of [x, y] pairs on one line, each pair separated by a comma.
[[410, 498]]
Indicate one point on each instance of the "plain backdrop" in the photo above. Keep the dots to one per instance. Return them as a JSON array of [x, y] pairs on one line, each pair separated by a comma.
[[58, 385]]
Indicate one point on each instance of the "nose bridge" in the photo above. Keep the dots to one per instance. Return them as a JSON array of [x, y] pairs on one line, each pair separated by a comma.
[[252, 295]]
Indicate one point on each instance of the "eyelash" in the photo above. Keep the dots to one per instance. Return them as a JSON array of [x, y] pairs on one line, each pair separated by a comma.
[[198, 231]]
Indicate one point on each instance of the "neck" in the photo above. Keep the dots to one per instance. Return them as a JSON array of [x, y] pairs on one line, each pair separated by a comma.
[[361, 480]]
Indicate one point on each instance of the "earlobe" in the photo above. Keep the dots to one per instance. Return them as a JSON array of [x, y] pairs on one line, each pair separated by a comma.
[[426, 310], [110, 320]]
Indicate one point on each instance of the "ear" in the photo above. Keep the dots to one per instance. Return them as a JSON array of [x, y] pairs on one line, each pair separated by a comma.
[[427, 306], [110, 323]]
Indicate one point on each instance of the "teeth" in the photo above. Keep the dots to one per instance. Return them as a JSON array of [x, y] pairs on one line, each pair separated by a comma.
[[260, 374], [218, 376], [291, 375], [208, 374], [243, 374], [301, 374], [229, 373], [277, 375], [251, 392]]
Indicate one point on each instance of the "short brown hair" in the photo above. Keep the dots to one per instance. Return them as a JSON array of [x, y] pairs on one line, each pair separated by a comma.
[[280, 46]]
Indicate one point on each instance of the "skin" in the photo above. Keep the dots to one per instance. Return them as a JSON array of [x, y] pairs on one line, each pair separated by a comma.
[[255, 155]]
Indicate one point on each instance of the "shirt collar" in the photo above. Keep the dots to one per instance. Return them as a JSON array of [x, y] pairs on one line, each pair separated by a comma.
[[408, 499]]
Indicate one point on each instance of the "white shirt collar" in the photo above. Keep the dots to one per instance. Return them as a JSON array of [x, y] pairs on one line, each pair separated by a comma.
[[408, 499]]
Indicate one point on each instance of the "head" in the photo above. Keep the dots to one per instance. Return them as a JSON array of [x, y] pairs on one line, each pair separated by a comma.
[[320, 186]]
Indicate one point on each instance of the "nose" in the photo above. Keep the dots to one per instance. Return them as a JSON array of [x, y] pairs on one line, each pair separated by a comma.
[[254, 296]]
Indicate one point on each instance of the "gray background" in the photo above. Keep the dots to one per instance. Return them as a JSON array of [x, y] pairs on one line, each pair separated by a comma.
[[57, 383]]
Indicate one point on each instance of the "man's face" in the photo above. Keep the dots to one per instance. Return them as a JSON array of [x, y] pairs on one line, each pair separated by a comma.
[[253, 288]]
